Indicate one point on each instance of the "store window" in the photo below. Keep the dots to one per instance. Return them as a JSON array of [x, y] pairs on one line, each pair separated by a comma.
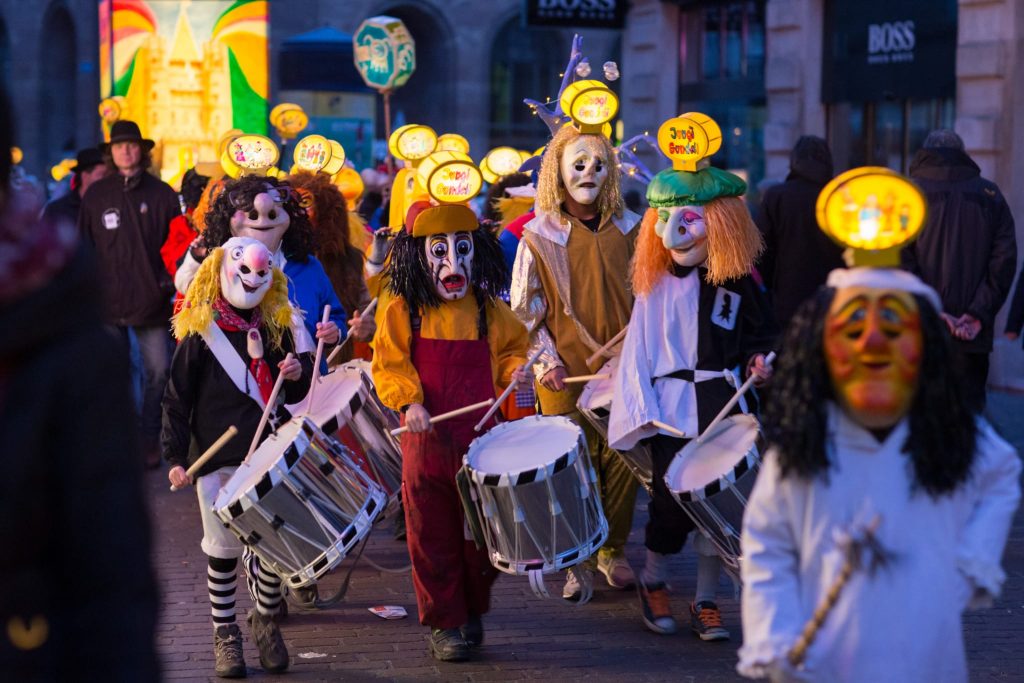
[[885, 133]]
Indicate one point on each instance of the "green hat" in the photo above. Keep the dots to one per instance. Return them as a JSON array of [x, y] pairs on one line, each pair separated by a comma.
[[693, 188]]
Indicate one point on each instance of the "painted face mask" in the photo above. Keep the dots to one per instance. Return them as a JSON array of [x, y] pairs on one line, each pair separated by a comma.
[[584, 169], [684, 234], [450, 256], [246, 273], [262, 217], [873, 347]]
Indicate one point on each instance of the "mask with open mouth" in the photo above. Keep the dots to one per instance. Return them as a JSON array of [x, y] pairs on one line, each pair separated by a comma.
[[246, 273], [264, 218], [873, 348], [584, 169], [450, 256], [684, 234]]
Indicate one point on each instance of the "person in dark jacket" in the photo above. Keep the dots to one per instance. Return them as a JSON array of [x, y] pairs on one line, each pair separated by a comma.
[[798, 256], [89, 167], [127, 217], [967, 251], [79, 597]]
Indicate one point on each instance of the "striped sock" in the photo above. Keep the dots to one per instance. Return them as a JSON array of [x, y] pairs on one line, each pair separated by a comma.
[[268, 591], [221, 579]]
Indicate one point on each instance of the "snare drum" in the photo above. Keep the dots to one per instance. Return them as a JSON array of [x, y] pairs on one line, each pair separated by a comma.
[[300, 502], [347, 408], [535, 494], [712, 480], [595, 404]]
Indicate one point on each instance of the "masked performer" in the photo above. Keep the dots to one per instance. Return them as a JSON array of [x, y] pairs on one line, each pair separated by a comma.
[[234, 333], [570, 287], [446, 341], [699, 325], [869, 428]]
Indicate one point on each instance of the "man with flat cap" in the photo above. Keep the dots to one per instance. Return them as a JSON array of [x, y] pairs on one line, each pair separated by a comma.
[[127, 216], [89, 167]]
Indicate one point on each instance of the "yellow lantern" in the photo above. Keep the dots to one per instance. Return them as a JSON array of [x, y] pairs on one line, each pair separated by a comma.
[[688, 138], [590, 104], [288, 119], [16, 155], [252, 154], [501, 161], [452, 142], [412, 142], [315, 153], [61, 170], [450, 177], [351, 185]]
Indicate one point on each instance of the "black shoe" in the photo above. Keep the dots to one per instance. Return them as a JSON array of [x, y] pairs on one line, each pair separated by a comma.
[[448, 645], [473, 631], [227, 652], [273, 652]]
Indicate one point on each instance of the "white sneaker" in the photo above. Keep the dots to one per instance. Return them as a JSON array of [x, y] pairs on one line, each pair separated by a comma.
[[617, 570], [579, 582]]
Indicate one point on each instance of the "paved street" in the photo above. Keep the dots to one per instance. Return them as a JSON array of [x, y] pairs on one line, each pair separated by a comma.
[[527, 638]]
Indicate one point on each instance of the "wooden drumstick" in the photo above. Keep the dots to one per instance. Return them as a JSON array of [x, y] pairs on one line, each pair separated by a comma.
[[266, 411], [585, 378], [508, 390], [670, 429], [768, 360], [610, 343], [452, 413], [228, 434], [362, 314], [799, 651], [316, 363]]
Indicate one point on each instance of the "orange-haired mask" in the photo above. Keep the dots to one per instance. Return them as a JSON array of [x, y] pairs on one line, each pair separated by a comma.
[[873, 347]]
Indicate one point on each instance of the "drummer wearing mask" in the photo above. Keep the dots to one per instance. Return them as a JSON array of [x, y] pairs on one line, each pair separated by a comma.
[[699, 327], [446, 341]]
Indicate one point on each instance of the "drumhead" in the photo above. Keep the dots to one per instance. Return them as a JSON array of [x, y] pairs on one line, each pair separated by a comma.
[[269, 452], [699, 464], [597, 393], [523, 445], [333, 395]]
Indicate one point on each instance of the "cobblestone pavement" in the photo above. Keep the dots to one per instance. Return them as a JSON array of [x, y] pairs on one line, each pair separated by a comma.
[[527, 638]]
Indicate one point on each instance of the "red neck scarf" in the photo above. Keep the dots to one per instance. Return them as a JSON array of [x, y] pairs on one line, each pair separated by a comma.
[[229, 321]]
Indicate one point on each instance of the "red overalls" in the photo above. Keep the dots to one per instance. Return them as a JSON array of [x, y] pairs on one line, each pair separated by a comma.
[[451, 576]]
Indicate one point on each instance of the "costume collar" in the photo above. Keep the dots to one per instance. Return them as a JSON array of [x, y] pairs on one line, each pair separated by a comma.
[[557, 226], [848, 434]]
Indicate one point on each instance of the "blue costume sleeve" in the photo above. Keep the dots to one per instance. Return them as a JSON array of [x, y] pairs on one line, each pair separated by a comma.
[[509, 246], [310, 289]]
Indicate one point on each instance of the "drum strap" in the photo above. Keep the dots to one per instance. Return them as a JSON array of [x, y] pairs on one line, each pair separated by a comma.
[[232, 362], [696, 376]]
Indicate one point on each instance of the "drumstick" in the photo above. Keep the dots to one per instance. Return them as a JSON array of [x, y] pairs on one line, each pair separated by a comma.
[[505, 394], [365, 312], [669, 428], [610, 343], [585, 378], [266, 411], [451, 413], [228, 434], [768, 360], [316, 362]]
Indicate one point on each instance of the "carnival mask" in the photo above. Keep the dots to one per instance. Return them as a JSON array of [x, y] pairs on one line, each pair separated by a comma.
[[584, 169], [684, 234], [450, 256], [262, 217], [873, 348], [245, 273]]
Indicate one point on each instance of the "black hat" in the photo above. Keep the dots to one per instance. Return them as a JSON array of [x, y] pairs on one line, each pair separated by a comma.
[[86, 159], [128, 131]]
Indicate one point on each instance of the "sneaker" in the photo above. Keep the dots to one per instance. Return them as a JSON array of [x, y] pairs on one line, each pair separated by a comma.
[[227, 651], [617, 570], [448, 645], [706, 621], [265, 631], [578, 581], [473, 631], [655, 609]]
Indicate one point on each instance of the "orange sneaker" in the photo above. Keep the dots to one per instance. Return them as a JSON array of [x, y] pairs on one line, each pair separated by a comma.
[[654, 608], [706, 621]]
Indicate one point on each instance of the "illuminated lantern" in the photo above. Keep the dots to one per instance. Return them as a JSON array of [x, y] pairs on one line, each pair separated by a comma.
[[500, 162], [250, 154], [288, 119], [384, 53], [16, 155], [315, 153], [452, 142], [590, 105], [688, 138], [351, 185], [412, 142], [450, 177]]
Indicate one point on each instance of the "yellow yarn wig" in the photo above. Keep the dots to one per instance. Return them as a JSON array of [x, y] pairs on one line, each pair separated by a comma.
[[196, 313], [550, 188], [734, 243]]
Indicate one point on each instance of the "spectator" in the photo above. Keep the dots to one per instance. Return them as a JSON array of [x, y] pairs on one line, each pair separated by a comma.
[[127, 216], [89, 167], [798, 256], [967, 251]]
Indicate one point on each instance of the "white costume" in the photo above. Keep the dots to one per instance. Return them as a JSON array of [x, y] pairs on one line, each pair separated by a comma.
[[903, 622]]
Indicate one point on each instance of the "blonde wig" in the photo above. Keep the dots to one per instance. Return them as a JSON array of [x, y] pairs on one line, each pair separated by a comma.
[[550, 188], [196, 315], [734, 243]]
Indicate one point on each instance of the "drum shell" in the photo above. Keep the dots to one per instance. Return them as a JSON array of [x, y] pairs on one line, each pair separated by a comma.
[[309, 508], [543, 519]]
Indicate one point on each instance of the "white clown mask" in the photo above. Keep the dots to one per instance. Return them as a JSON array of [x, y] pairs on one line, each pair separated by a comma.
[[450, 256], [263, 218], [584, 168], [246, 272], [684, 234]]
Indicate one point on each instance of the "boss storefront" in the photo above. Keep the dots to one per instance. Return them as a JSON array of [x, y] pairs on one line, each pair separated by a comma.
[[888, 77]]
